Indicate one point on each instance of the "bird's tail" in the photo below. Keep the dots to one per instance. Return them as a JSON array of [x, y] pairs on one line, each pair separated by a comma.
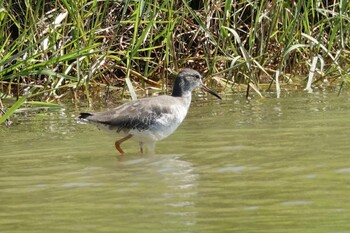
[[84, 115]]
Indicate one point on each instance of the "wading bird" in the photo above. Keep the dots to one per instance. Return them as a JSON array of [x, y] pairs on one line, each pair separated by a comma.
[[152, 119]]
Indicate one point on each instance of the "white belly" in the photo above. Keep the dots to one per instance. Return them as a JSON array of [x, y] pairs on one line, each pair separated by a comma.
[[165, 125]]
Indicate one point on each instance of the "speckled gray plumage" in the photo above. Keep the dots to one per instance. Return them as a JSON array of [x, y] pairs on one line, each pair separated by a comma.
[[150, 119]]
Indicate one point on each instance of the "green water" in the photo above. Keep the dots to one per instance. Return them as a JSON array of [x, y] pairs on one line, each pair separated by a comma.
[[266, 165]]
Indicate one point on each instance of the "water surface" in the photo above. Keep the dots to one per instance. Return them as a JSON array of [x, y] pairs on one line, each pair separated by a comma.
[[265, 165]]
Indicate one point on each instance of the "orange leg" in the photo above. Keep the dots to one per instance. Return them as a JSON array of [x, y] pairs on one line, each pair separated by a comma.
[[117, 143]]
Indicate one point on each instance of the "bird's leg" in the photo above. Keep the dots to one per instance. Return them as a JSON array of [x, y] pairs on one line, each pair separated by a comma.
[[141, 147], [150, 148], [117, 143]]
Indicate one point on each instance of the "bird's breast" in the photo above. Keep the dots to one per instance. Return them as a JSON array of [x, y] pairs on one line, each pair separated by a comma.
[[162, 125]]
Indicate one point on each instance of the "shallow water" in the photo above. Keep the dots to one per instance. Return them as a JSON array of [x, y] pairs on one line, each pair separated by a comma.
[[267, 165]]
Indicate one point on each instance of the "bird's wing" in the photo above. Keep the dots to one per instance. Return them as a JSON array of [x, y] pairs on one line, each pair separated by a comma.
[[139, 114]]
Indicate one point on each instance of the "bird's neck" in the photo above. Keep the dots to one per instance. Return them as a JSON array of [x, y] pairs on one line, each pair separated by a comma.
[[185, 97], [180, 89], [178, 92]]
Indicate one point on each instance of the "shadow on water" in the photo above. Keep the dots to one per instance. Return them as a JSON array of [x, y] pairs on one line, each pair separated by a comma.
[[233, 166]]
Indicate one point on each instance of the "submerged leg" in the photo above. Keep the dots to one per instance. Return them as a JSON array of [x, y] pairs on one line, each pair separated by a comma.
[[117, 143], [141, 147], [151, 148]]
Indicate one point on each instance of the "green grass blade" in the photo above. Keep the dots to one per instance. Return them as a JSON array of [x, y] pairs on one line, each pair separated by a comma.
[[13, 108], [200, 22], [44, 104]]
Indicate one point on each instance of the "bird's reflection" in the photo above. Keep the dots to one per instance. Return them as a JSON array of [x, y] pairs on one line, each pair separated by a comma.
[[173, 187]]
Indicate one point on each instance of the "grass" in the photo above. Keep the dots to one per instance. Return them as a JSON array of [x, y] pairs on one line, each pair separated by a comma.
[[54, 49]]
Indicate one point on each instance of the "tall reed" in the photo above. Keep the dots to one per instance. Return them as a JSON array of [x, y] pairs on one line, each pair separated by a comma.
[[51, 48]]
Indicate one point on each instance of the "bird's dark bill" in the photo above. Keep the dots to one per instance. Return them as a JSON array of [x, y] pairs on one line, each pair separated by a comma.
[[210, 91]]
